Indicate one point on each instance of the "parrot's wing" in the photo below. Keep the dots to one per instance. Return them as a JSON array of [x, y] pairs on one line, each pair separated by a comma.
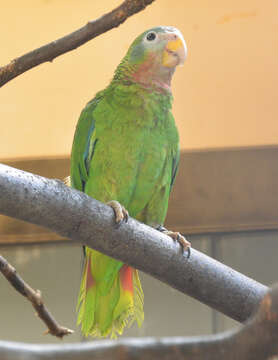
[[83, 146], [175, 166]]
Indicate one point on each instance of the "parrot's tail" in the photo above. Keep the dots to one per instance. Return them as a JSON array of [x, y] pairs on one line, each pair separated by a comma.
[[110, 297]]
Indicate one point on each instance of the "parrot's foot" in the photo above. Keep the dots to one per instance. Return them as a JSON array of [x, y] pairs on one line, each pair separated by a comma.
[[176, 236], [121, 214]]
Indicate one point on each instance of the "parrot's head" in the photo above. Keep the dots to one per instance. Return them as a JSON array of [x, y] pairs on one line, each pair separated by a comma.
[[153, 56]]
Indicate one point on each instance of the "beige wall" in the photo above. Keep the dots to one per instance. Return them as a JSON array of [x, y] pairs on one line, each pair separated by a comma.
[[225, 95]]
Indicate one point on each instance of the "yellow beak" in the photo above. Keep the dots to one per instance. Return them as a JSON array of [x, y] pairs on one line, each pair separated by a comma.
[[175, 51]]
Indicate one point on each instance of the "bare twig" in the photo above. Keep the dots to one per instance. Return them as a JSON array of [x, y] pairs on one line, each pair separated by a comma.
[[34, 296], [256, 340], [75, 215], [70, 42]]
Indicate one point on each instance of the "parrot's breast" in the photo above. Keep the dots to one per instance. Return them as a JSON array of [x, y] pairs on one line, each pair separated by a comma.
[[133, 155]]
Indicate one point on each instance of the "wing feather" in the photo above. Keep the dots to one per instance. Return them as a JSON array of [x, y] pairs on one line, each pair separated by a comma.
[[83, 146]]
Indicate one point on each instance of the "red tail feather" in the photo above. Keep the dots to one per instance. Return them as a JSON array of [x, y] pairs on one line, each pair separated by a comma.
[[126, 279], [90, 281]]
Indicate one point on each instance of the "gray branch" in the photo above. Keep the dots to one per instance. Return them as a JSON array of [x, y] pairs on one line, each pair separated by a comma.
[[256, 340], [73, 214]]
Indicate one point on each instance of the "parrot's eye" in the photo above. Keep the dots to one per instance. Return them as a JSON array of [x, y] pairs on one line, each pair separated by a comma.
[[151, 36]]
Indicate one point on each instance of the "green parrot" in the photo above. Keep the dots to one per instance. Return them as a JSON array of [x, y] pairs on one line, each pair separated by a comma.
[[126, 153]]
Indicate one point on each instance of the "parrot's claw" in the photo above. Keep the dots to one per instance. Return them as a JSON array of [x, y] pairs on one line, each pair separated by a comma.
[[176, 236], [121, 214]]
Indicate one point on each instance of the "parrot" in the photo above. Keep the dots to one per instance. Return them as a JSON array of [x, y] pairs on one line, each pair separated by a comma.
[[125, 153]]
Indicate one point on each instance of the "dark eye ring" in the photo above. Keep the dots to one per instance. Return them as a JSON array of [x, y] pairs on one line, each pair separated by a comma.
[[151, 36]]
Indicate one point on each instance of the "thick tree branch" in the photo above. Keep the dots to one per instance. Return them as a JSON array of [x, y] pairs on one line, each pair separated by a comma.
[[70, 42], [258, 339], [73, 214], [34, 296]]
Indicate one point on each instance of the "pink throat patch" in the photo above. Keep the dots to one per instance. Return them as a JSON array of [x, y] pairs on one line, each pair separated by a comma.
[[147, 75]]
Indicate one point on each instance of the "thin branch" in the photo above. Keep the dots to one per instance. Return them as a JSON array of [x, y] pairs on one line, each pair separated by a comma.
[[71, 41], [258, 339], [73, 214], [34, 296]]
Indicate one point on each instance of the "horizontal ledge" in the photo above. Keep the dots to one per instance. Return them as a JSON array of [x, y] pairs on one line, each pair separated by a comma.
[[32, 238], [216, 190], [224, 229]]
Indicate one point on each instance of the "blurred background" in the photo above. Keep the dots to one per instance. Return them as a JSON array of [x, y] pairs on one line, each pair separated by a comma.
[[225, 106]]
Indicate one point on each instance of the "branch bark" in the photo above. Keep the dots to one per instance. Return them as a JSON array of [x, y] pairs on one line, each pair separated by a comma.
[[73, 214], [258, 339], [71, 41], [34, 296]]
